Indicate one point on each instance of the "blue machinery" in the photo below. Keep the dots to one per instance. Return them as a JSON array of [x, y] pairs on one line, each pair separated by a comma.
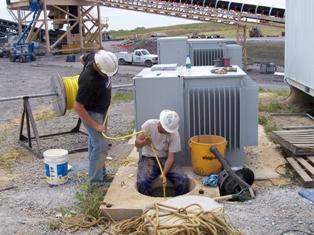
[[21, 49]]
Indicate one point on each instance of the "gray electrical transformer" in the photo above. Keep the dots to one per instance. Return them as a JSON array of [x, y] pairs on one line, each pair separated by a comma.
[[202, 52], [207, 103]]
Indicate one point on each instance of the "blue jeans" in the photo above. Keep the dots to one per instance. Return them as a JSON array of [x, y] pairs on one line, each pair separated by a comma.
[[148, 170], [97, 151]]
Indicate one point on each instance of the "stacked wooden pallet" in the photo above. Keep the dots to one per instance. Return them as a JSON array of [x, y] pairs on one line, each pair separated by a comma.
[[299, 144]]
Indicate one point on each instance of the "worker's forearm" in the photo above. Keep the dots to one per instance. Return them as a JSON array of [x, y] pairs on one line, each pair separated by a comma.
[[84, 115], [168, 164]]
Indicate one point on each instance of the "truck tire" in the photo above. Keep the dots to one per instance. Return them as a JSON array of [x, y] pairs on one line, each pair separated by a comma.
[[22, 59], [33, 57], [121, 61], [12, 58], [148, 63]]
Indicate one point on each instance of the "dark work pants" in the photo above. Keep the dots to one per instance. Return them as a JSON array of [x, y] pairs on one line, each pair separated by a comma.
[[148, 170]]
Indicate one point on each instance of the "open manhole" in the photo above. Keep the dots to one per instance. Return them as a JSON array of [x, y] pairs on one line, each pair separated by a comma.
[[157, 189]]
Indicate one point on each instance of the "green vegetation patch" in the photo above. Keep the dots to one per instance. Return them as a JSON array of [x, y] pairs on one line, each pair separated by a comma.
[[122, 97], [9, 158], [276, 107], [267, 123], [90, 199], [206, 29], [279, 92]]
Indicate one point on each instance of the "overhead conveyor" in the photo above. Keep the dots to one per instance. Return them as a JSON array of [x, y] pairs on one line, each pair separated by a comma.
[[227, 12], [83, 30]]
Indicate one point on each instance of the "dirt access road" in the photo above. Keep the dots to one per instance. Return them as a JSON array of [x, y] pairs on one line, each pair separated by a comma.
[[28, 208]]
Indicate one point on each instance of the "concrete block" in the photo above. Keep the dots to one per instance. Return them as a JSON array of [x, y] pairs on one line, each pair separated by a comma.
[[123, 201]]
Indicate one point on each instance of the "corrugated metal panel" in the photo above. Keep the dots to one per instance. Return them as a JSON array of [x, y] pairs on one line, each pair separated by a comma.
[[215, 111], [266, 3], [299, 50], [203, 57]]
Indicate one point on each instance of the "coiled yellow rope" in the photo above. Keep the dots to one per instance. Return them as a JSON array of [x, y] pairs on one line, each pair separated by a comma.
[[71, 88], [160, 220], [167, 220]]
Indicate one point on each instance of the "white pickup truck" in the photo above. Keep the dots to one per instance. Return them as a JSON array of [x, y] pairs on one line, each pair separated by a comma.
[[139, 56]]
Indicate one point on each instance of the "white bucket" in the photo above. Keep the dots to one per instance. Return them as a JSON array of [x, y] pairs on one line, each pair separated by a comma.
[[56, 166]]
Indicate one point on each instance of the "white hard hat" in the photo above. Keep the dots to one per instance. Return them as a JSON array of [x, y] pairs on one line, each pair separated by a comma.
[[169, 120], [106, 62]]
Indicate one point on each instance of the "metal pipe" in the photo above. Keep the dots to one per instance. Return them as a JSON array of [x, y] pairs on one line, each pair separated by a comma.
[[122, 86], [27, 96], [51, 94]]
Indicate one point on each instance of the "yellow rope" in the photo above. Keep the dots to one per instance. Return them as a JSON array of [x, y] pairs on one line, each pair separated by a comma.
[[191, 219], [160, 220], [72, 224], [164, 182], [71, 88], [151, 145]]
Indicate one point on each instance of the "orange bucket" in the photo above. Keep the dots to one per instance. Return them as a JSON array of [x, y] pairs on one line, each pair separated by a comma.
[[204, 161]]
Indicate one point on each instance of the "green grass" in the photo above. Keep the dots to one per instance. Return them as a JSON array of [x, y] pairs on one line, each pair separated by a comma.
[[122, 97], [9, 158], [54, 224], [262, 120], [276, 107], [267, 123], [44, 115], [264, 51], [273, 107], [284, 93], [90, 199], [206, 29], [279, 92]]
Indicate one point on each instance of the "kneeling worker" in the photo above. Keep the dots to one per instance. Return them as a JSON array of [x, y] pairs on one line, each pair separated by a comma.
[[164, 136]]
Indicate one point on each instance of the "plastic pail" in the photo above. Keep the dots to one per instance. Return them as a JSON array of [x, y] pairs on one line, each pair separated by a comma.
[[204, 161], [56, 166]]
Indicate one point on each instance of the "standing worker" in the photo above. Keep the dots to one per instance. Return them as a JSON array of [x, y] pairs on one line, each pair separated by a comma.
[[92, 103], [164, 136]]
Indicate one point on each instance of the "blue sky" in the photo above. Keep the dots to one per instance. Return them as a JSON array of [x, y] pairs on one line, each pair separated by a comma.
[[124, 19]]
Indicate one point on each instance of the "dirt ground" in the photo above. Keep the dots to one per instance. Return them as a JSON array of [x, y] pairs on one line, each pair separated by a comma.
[[32, 204]]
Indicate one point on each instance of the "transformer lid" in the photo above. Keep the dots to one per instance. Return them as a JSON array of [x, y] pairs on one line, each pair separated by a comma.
[[164, 67], [205, 72]]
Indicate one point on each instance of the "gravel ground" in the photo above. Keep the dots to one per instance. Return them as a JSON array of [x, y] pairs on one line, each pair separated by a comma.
[[275, 210], [28, 208], [32, 204]]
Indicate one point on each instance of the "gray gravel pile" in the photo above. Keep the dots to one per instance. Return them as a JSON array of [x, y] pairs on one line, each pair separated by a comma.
[[275, 210]]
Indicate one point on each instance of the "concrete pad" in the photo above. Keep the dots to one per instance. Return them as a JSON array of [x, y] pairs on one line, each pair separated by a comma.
[[264, 158], [123, 201]]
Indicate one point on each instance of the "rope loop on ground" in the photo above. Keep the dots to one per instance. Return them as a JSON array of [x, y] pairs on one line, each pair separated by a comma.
[[167, 220]]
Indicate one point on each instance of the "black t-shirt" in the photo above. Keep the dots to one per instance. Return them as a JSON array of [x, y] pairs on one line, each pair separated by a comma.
[[94, 90]]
